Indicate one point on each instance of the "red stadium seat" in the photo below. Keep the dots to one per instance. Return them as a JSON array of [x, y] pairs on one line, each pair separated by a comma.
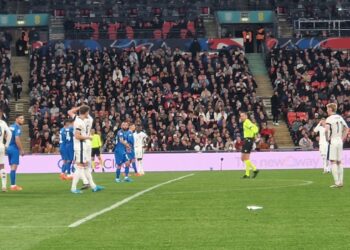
[[157, 34], [292, 116], [302, 115]]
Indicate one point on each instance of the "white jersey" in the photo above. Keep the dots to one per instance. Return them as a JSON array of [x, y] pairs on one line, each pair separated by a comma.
[[88, 123], [336, 126], [322, 131], [79, 125], [4, 128], [140, 139]]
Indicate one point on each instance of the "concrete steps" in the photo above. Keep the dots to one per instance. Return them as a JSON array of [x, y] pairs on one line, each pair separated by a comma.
[[21, 106], [56, 31], [211, 29], [265, 91]]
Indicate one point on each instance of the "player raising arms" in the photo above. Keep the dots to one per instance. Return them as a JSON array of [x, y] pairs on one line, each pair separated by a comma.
[[131, 153], [336, 131], [120, 153], [250, 130], [4, 129], [140, 139], [14, 150], [323, 144], [82, 155]]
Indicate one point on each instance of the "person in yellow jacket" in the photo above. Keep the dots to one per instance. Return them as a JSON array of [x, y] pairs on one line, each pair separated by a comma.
[[250, 130], [96, 144]]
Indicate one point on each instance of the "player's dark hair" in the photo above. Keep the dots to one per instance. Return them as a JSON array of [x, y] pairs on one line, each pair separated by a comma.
[[67, 121], [18, 115], [84, 109]]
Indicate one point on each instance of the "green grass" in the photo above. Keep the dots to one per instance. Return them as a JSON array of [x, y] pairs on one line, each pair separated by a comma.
[[204, 211]]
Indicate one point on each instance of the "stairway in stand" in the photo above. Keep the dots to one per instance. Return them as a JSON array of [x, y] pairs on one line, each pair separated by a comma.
[[21, 106], [265, 91]]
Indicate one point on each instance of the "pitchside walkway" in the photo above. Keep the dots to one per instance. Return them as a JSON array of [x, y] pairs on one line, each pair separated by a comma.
[[265, 91]]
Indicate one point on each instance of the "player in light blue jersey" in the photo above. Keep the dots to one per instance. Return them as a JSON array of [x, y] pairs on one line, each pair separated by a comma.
[[14, 150], [131, 153], [120, 152], [66, 137]]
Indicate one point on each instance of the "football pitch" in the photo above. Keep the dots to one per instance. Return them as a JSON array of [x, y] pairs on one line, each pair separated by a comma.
[[177, 210]]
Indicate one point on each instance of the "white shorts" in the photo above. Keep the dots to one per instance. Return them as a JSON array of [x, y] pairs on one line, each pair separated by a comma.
[[2, 154], [323, 149], [88, 149], [335, 151], [139, 153], [81, 156]]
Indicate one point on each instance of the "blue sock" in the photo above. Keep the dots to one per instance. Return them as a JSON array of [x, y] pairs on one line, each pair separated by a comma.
[[134, 167], [118, 173], [68, 167], [13, 177], [126, 171], [64, 167]]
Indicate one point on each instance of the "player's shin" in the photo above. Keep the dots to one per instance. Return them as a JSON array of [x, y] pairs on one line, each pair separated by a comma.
[[89, 178], [247, 167], [3, 178], [140, 166], [134, 166], [13, 177], [127, 171], [335, 173], [76, 178], [117, 173], [340, 174]]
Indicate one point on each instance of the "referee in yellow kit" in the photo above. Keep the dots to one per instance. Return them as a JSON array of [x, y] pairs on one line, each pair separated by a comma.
[[250, 130], [96, 144]]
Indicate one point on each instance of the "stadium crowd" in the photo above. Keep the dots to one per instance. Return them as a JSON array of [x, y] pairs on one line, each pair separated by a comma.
[[305, 81], [182, 102]]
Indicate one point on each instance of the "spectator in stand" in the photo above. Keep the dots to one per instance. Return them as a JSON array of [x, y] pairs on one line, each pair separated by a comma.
[[306, 143], [17, 83], [275, 108]]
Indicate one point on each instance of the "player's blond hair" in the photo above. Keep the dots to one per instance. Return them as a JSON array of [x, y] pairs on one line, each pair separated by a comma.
[[332, 106]]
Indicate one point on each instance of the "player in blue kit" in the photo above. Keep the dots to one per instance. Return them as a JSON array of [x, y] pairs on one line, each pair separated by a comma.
[[66, 148], [14, 150], [131, 153], [69, 147], [120, 152]]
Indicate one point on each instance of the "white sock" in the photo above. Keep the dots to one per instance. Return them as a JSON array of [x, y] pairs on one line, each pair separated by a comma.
[[76, 177], [140, 167], [3, 178], [335, 173], [325, 164], [84, 177], [89, 178], [340, 174]]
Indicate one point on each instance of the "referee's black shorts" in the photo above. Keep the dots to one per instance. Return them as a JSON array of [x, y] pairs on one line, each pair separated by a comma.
[[248, 145], [95, 152]]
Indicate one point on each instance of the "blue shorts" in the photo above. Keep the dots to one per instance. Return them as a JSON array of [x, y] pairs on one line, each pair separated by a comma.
[[13, 154], [120, 158], [131, 155], [70, 152], [63, 152]]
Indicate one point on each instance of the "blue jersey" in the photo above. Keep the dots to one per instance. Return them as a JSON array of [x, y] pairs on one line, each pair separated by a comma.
[[62, 137], [16, 131], [120, 147], [69, 135], [130, 139]]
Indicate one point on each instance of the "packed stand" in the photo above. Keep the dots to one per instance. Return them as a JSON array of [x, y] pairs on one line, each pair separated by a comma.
[[182, 102], [306, 81]]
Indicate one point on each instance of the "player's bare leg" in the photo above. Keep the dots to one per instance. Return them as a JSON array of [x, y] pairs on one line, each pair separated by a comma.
[[340, 174]]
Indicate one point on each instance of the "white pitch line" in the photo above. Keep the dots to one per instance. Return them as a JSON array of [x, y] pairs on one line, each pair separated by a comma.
[[124, 201]]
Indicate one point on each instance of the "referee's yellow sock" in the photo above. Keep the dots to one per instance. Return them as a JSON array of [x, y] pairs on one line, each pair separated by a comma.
[[250, 165], [247, 168], [93, 164]]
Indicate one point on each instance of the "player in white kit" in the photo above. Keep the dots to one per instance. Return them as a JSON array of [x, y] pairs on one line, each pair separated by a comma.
[[140, 139], [4, 129], [323, 144], [81, 152], [336, 131]]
